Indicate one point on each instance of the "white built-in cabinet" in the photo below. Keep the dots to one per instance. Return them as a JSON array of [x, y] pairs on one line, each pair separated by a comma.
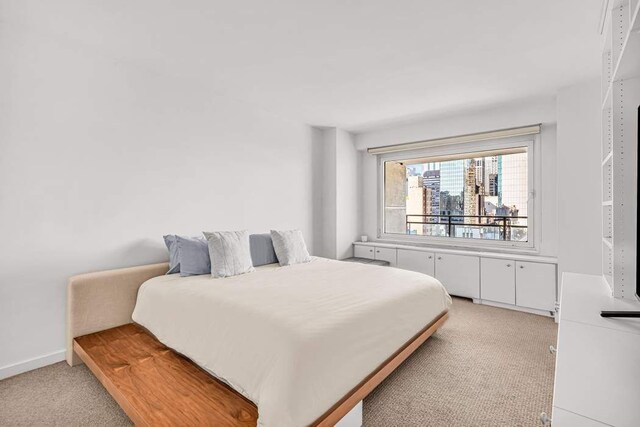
[[523, 283], [361, 251], [422, 262], [498, 277], [385, 254], [459, 274], [535, 285], [376, 253]]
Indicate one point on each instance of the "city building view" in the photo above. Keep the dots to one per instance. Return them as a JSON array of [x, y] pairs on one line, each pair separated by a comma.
[[479, 197]]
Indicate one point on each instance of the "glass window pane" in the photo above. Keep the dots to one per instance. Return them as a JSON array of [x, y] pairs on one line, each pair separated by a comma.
[[475, 197]]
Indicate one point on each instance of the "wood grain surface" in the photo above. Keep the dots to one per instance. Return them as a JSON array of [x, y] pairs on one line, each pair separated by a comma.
[[156, 386]]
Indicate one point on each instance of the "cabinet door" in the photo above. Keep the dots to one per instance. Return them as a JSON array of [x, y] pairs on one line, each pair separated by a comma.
[[597, 374], [498, 280], [422, 262], [362, 251], [386, 254], [460, 274], [536, 285]]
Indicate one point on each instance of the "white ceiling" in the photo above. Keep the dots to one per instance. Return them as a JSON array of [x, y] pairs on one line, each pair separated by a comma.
[[352, 64]]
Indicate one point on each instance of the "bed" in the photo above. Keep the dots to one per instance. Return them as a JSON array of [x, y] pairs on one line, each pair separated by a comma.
[[305, 342]]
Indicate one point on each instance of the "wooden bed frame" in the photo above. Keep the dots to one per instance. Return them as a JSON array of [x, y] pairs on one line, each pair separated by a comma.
[[154, 384]]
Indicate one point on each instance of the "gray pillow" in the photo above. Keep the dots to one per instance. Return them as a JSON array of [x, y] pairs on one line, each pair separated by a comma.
[[262, 251], [229, 252], [193, 255], [174, 260], [290, 247]]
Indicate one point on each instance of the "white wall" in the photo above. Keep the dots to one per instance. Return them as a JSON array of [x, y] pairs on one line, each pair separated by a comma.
[[498, 117], [340, 188], [318, 191], [579, 179], [99, 157], [348, 194], [329, 194]]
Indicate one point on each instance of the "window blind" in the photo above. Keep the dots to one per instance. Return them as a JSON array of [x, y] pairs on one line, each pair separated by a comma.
[[474, 137]]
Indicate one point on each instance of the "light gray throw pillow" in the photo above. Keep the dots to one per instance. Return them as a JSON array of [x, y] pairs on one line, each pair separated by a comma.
[[290, 247], [229, 252]]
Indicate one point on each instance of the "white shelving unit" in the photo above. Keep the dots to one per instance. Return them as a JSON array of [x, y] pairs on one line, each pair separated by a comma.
[[620, 100], [596, 362]]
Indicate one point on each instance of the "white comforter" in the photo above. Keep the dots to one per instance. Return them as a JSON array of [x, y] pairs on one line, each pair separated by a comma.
[[294, 339]]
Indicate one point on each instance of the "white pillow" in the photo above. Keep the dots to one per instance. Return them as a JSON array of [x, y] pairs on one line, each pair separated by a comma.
[[229, 252], [290, 247]]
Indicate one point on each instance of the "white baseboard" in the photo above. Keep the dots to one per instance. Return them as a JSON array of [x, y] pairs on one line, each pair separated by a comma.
[[515, 307], [31, 364]]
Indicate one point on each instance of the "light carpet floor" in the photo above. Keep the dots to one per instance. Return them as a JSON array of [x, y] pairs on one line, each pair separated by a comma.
[[485, 367]]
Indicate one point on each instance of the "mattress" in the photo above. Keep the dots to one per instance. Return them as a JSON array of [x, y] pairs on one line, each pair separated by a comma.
[[294, 340]]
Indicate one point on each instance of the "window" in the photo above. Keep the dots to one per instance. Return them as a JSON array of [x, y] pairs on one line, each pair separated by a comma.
[[474, 194]]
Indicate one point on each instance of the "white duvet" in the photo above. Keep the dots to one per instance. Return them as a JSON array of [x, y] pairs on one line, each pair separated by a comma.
[[294, 339]]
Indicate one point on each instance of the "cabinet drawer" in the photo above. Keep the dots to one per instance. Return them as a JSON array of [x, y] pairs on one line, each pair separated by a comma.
[[362, 251], [536, 285], [386, 254], [422, 262], [498, 280], [460, 274]]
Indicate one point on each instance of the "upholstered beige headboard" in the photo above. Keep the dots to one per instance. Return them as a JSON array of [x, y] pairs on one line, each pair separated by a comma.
[[103, 300]]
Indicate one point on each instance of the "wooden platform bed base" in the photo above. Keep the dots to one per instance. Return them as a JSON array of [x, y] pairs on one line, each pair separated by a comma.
[[154, 385]]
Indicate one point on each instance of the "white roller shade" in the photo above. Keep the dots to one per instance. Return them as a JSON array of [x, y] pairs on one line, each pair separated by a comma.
[[462, 156], [482, 136]]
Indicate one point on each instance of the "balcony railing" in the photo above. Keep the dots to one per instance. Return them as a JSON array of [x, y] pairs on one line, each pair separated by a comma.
[[504, 224]]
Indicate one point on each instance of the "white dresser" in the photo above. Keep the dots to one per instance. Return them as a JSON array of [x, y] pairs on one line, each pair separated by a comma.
[[597, 379]]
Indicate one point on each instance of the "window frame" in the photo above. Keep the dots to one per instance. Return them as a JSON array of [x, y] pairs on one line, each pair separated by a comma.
[[531, 142]]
